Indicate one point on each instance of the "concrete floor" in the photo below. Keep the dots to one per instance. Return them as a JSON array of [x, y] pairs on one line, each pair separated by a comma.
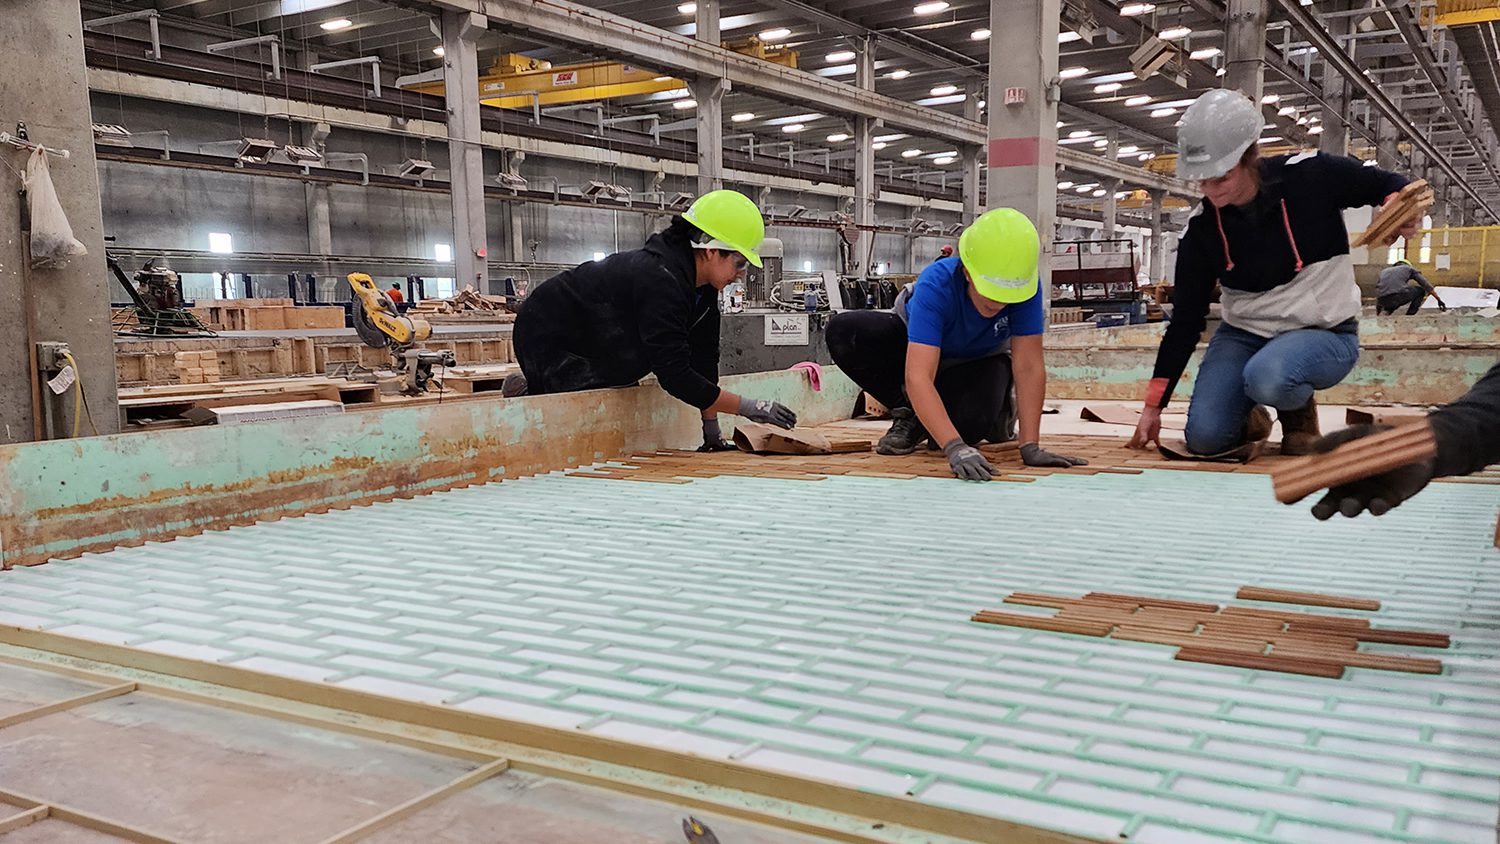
[[821, 628]]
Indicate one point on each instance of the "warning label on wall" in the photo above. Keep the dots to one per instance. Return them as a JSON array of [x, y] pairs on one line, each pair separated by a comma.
[[786, 329], [567, 77]]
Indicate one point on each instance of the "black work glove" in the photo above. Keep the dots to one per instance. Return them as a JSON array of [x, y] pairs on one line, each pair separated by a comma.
[[769, 412], [1442, 306], [966, 461], [1379, 493], [713, 438], [1034, 455]]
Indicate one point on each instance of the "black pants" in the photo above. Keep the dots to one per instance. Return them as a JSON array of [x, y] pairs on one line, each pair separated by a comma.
[[870, 347], [1392, 302]]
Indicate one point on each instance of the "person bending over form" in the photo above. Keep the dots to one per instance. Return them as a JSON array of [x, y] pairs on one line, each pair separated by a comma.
[[1402, 286], [945, 357], [1270, 233]]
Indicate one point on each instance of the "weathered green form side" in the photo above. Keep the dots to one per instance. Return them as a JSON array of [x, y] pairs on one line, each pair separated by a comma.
[[63, 498]]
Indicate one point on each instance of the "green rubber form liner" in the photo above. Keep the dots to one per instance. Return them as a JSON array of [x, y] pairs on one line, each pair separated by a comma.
[[821, 628]]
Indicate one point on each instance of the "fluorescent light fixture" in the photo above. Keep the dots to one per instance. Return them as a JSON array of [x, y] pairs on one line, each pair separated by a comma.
[[981, 105], [442, 252], [111, 134], [899, 73], [979, 34], [1108, 88], [1064, 185], [1128, 149], [1101, 143], [1174, 33], [220, 243], [1081, 133], [1100, 192], [1205, 53], [302, 155], [1072, 72], [793, 128], [1082, 189], [877, 146], [743, 117], [885, 139], [415, 168], [1138, 101], [837, 137], [943, 90], [1130, 10], [1068, 36], [1219, 72], [1269, 139], [943, 160], [1163, 112], [675, 94], [684, 105], [1115, 77], [1061, 124], [1270, 99], [840, 56], [439, 51], [776, 34], [336, 24], [1286, 111], [931, 7], [910, 153], [1315, 130], [688, 8], [1146, 156], [512, 182], [1302, 121]]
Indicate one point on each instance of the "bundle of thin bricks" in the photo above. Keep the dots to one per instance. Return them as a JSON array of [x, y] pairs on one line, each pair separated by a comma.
[[1245, 637], [1411, 203]]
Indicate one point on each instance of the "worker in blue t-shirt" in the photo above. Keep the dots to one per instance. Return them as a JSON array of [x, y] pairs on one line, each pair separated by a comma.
[[945, 358]]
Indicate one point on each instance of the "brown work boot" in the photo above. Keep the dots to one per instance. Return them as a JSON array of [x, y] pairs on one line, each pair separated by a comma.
[[1257, 424], [1299, 429]]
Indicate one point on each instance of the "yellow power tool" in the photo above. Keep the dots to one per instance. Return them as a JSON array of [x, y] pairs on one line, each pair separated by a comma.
[[380, 324]]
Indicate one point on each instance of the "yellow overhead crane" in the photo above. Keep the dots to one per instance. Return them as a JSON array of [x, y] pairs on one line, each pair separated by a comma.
[[1461, 12], [516, 81]]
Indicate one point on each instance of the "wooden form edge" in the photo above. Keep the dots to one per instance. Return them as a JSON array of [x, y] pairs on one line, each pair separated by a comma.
[[411, 807], [66, 704], [88, 820], [888, 813], [25, 818], [1353, 461]]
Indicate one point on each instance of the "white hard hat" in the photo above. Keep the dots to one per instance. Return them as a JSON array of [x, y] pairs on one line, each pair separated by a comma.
[[1215, 131]]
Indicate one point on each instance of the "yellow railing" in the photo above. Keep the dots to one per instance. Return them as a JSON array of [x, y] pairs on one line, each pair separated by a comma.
[[1454, 256]]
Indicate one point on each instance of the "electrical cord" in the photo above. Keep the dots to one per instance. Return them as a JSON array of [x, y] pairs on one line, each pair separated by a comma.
[[80, 400]]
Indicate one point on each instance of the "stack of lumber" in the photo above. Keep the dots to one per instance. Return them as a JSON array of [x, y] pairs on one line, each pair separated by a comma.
[[1245, 637], [468, 306], [1065, 316], [266, 315], [197, 367], [1410, 204]]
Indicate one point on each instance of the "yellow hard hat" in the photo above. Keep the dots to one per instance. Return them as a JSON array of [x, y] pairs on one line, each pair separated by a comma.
[[1001, 251], [732, 220]]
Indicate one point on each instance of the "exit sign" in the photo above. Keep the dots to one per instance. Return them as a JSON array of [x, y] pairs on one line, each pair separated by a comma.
[[1015, 96]]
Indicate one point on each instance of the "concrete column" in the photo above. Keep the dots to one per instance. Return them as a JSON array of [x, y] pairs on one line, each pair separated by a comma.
[[1158, 246], [1111, 186], [865, 192], [1245, 46], [43, 86], [319, 219], [461, 30], [1387, 157], [1335, 137], [968, 156], [517, 229], [709, 92], [1023, 136]]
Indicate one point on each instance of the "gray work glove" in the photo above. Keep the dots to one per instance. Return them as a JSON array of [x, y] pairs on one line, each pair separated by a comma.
[[1034, 455], [713, 437], [1377, 494], [769, 412], [966, 461]]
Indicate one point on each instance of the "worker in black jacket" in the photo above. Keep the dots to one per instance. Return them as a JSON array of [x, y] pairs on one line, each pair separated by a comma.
[[1270, 233], [1468, 439], [654, 309]]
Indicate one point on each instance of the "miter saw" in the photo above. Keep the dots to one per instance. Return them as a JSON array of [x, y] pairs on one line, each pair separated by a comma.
[[381, 325]]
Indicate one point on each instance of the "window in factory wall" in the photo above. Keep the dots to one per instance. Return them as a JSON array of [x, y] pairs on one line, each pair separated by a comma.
[[442, 251], [599, 256], [807, 266], [220, 243], [1424, 254], [440, 288]]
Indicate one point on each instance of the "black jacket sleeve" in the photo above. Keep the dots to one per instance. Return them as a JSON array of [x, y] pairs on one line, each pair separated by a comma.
[[1468, 430], [1193, 287], [703, 337], [1352, 185], [664, 310]]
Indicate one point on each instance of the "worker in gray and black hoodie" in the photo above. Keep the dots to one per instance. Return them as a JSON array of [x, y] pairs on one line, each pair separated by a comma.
[[1402, 286], [654, 309], [1270, 232]]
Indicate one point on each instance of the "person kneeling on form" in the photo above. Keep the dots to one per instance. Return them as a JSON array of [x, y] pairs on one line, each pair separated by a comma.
[[944, 358]]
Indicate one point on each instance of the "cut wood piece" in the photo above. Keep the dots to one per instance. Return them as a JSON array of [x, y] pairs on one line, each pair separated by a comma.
[[1151, 635], [1409, 203], [1353, 461], [1120, 414], [1320, 644], [1327, 620], [1037, 599], [1380, 635], [1307, 599], [1263, 662], [1037, 622], [1148, 601], [1359, 659]]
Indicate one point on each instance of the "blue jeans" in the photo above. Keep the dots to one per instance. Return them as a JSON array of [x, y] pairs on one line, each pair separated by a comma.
[[1241, 370]]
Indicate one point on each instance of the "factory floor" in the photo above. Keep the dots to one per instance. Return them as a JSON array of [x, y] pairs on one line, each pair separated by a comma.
[[821, 628]]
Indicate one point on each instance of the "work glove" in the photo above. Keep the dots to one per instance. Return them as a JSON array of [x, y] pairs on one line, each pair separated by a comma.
[[966, 461], [713, 438], [1378, 493], [1034, 455], [1442, 306], [769, 412]]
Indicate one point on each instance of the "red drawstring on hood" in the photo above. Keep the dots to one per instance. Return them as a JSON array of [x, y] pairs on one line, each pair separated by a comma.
[[1286, 220]]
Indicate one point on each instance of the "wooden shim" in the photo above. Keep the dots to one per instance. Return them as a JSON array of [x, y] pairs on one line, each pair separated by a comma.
[[1320, 644], [1263, 662], [1384, 636], [24, 819], [1308, 599], [1353, 461], [1376, 662], [1147, 601], [417, 804], [88, 820], [63, 705], [1151, 635], [1326, 620], [1037, 599], [1038, 622]]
